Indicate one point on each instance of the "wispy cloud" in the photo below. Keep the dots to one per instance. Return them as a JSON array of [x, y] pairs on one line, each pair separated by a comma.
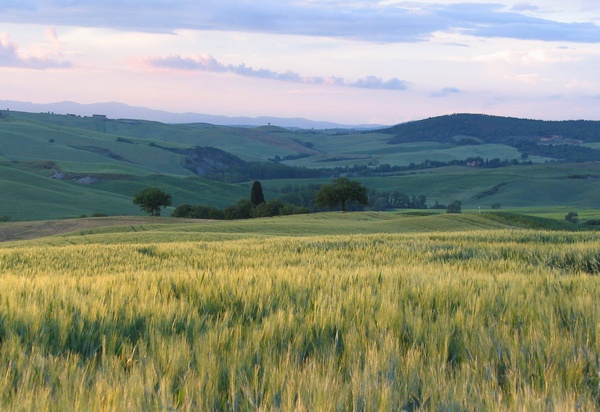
[[524, 7], [531, 57], [206, 62], [446, 91], [12, 56], [356, 20]]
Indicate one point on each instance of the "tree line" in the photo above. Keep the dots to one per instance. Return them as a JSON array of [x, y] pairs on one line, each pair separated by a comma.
[[274, 170], [341, 194]]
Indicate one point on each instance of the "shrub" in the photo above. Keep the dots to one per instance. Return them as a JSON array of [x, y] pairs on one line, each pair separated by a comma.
[[241, 210], [290, 209], [271, 208], [454, 207], [572, 217], [197, 212]]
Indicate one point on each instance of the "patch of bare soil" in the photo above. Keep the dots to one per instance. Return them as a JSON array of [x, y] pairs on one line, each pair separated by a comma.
[[10, 231]]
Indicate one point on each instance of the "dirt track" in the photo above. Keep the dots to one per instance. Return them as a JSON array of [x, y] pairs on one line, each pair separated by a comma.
[[31, 230]]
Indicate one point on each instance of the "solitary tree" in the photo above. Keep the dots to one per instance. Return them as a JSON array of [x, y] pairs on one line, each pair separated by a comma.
[[341, 192], [572, 217], [256, 195], [454, 207], [151, 200]]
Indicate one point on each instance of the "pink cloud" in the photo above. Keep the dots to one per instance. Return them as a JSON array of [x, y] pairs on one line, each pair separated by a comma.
[[12, 56]]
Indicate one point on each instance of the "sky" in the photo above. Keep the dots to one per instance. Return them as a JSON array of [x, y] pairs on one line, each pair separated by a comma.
[[351, 62]]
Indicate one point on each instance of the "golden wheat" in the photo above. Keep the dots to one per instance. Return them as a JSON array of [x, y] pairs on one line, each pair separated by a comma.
[[490, 320]]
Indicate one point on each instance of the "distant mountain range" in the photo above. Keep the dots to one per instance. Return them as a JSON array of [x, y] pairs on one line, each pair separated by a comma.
[[117, 110]]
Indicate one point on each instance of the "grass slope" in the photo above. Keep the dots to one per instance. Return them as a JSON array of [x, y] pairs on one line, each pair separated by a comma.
[[27, 194], [124, 157], [160, 230]]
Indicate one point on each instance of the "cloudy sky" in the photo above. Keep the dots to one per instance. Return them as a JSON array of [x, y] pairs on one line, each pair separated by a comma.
[[349, 61]]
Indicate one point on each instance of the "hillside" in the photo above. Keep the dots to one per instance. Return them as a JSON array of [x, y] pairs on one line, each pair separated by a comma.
[[559, 140], [491, 129], [61, 166], [144, 229]]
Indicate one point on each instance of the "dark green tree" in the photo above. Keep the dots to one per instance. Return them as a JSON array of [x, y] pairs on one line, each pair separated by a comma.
[[454, 207], [256, 194], [341, 192], [197, 212], [241, 210], [572, 217], [151, 200], [271, 208]]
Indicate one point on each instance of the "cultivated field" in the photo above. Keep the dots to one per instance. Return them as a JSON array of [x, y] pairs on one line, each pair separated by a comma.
[[224, 317]]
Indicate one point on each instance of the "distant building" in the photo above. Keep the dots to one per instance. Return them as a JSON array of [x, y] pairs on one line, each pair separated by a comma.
[[99, 116], [559, 139]]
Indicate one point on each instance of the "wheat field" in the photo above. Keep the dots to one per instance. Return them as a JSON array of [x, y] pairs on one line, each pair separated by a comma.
[[478, 320]]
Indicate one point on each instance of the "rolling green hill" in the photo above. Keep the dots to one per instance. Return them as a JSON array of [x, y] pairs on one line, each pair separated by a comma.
[[559, 140], [491, 129], [56, 166]]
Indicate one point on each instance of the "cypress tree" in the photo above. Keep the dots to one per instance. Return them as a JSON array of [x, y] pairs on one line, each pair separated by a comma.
[[256, 195]]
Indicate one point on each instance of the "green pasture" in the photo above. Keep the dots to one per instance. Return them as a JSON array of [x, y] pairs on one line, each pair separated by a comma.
[[76, 151], [251, 144], [28, 196], [541, 186], [190, 190], [32, 195], [379, 153]]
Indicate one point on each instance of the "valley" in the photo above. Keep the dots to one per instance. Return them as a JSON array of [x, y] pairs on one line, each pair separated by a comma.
[[58, 166]]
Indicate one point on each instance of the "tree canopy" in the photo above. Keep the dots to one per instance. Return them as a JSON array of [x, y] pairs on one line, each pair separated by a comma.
[[341, 192], [152, 200]]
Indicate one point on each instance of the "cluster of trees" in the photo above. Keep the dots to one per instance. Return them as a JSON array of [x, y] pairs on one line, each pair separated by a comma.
[[399, 200], [255, 206], [396, 200], [573, 217], [299, 195], [242, 209], [563, 152], [342, 194]]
